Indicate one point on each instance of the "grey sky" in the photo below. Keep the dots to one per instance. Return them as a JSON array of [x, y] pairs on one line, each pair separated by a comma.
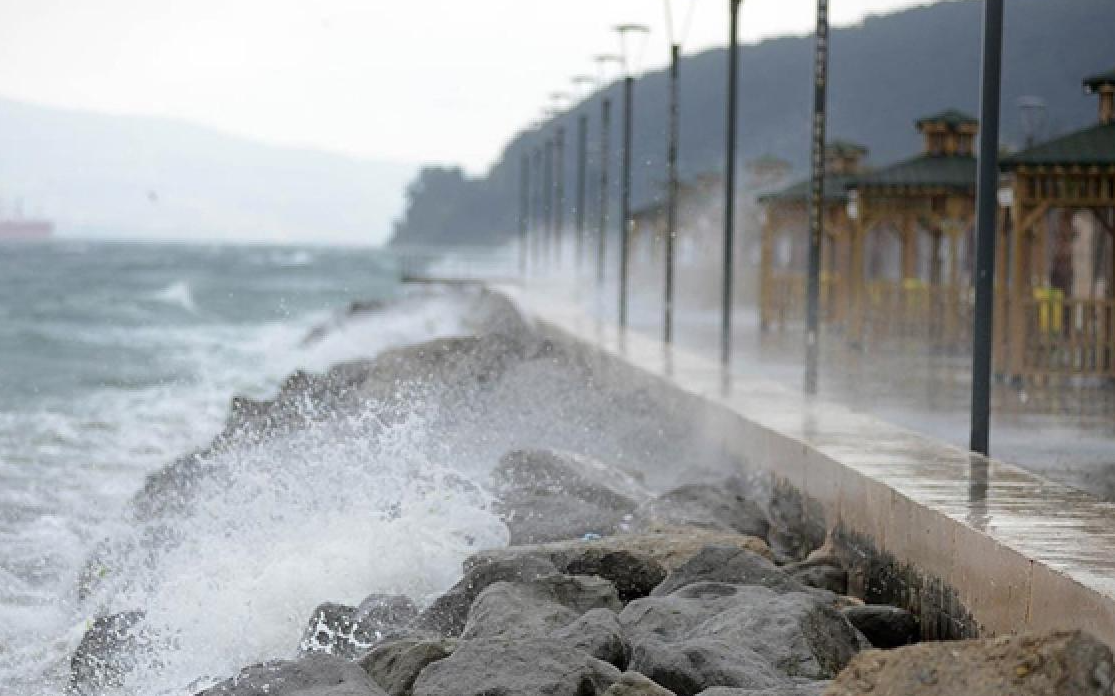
[[402, 80]]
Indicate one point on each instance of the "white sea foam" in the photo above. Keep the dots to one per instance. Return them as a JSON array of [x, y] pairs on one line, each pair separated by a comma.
[[178, 294]]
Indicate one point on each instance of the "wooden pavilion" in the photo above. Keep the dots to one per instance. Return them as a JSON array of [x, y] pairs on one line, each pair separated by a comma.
[[1056, 286], [909, 269], [784, 249]]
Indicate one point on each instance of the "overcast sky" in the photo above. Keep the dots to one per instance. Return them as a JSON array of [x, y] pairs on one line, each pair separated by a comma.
[[413, 81]]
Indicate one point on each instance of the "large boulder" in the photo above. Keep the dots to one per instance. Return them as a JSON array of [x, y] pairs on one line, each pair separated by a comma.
[[396, 664], [744, 636], [534, 608], [720, 507], [449, 612], [108, 652], [816, 688], [1057, 664], [317, 674], [350, 632], [516, 667], [544, 495], [728, 564], [599, 634]]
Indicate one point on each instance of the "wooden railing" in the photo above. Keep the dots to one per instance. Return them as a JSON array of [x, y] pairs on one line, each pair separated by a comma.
[[785, 298], [1068, 336], [940, 315]]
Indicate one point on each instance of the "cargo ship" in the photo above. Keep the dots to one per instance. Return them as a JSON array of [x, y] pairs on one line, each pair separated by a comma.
[[25, 230]]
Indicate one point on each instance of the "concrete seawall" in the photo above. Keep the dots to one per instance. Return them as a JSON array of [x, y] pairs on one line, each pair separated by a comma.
[[975, 546]]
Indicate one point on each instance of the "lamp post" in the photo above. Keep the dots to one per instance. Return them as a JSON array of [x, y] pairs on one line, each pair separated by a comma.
[[605, 161], [625, 191], [730, 185], [582, 164], [548, 202], [559, 100], [672, 193], [817, 200], [987, 186], [524, 212]]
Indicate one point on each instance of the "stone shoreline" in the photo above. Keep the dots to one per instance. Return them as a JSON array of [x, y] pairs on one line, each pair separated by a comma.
[[611, 584]]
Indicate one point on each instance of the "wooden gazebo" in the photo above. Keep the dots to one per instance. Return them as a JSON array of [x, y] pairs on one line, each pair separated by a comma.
[[1056, 287], [785, 235], [908, 268]]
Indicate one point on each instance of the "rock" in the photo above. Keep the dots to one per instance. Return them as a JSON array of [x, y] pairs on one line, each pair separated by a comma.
[[745, 636], [635, 684], [1056, 664], [350, 632], [316, 674], [728, 564], [633, 574], [107, 653], [719, 507], [599, 634], [816, 688], [823, 576], [670, 547], [516, 667], [395, 665], [691, 665], [449, 612], [549, 496], [885, 626], [536, 607]]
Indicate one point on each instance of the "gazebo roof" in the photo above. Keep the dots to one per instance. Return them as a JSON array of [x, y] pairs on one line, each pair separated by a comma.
[[1090, 146], [835, 191], [950, 117], [1094, 82], [924, 171]]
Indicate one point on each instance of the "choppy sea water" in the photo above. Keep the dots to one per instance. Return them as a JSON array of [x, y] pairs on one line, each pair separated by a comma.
[[117, 358]]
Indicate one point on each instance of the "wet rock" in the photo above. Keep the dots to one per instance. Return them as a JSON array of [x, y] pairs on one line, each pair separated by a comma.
[[108, 651], [669, 547], [1056, 664], [635, 684], [720, 507], [745, 636], [449, 612], [823, 576], [728, 564], [516, 667], [545, 495], [534, 608], [633, 574], [795, 528], [599, 634], [317, 674], [816, 688], [349, 632], [395, 665], [884, 626]]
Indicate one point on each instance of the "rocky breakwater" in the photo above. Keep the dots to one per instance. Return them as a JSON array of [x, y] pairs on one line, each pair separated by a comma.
[[610, 583]]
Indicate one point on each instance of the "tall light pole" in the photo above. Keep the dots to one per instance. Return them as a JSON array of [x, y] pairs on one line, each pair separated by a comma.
[[548, 201], [730, 184], [560, 101], [581, 81], [987, 186], [625, 192], [672, 192], [817, 200], [536, 209], [605, 162]]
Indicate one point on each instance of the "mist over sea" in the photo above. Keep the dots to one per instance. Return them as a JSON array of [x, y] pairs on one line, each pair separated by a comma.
[[117, 358]]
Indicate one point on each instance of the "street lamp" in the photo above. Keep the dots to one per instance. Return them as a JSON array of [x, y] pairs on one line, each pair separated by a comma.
[[602, 61], [624, 30], [585, 83], [817, 200], [730, 184]]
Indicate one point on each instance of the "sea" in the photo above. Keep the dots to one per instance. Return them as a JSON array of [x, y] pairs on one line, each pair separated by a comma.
[[118, 358]]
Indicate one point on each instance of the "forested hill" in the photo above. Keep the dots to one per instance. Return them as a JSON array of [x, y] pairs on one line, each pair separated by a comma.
[[885, 73]]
